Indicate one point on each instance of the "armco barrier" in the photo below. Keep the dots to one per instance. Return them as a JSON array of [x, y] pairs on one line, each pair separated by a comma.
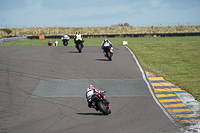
[[13, 39]]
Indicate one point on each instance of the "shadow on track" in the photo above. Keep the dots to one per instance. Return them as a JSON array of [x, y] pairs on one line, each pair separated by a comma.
[[102, 59], [90, 113], [73, 52]]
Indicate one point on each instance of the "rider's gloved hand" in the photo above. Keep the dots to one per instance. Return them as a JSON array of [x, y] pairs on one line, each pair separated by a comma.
[[104, 91]]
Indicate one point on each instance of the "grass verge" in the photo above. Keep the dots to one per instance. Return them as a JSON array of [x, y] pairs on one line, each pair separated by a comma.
[[177, 59]]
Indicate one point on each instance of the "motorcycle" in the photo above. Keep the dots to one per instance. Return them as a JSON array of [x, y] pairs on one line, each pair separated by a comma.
[[56, 43], [108, 52], [101, 103], [79, 45], [50, 43], [65, 40]]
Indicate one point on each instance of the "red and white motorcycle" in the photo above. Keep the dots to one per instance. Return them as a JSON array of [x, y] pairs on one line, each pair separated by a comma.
[[101, 103]]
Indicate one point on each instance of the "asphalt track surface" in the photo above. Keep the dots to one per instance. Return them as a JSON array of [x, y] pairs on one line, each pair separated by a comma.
[[42, 90]]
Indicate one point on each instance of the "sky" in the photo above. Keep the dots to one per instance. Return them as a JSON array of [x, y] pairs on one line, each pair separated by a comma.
[[93, 13]]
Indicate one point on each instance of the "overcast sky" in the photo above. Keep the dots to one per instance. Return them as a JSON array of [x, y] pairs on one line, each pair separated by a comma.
[[80, 13]]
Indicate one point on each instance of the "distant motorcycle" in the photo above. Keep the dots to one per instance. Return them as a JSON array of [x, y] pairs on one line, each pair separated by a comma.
[[79, 45], [101, 103], [56, 43], [108, 52], [50, 43], [65, 40]]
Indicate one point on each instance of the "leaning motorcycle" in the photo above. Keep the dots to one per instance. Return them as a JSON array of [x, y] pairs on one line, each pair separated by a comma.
[[101, 103], [109, 52], [79, 45]]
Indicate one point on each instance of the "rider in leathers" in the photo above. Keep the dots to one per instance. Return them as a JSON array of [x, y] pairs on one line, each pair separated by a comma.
[[65, 37], [105, 44], [78, 37], [89, 92], [50, 43]]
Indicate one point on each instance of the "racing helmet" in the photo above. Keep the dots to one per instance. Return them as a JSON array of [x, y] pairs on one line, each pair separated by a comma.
[[106, 40], [91, 86]]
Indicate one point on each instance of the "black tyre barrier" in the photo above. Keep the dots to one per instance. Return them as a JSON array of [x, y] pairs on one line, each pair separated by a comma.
[[125, 35]]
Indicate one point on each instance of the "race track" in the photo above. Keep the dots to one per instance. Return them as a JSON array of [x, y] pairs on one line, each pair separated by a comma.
[[43, 91]]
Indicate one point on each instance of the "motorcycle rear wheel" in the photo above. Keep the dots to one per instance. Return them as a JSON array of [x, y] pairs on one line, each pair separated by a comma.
[[102, 107], [109, 55], [79, 48], [65, 43]]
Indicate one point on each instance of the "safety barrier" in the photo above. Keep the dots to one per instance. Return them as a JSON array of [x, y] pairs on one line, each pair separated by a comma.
[[13, 39], [123, 35]]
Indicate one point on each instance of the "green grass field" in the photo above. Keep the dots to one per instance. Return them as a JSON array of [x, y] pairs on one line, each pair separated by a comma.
[[177, 59]]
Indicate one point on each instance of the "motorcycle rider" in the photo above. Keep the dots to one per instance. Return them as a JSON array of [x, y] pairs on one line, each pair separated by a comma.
[[65, 38], [78, 37], [56, 43], [50, 43], [89, 92], [106, 43]]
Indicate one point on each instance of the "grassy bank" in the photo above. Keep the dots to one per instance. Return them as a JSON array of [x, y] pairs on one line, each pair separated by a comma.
[[49, 31], [177, 59]]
